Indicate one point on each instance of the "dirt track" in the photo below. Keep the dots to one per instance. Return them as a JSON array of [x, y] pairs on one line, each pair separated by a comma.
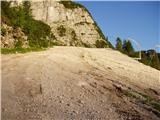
[[65, 83]]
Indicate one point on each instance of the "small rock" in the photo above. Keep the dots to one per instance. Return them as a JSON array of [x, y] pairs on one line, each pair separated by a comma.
[[72, 98], [76, 112], [79, 101], [60, 97], [102, 101], [109, 68], [61, 101], [98, 111], [68, 104]]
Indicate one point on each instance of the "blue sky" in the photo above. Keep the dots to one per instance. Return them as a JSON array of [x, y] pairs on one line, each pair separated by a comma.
[[137, 20]]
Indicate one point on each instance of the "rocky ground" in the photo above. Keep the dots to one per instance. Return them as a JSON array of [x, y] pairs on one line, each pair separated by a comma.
[[71, 83]]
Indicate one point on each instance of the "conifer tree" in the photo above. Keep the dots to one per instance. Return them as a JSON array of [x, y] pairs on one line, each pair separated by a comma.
[[119, 44]]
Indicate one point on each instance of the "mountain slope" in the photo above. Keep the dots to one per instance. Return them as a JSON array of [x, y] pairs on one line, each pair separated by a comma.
[[71, 23], [49, 22], [65, 83]]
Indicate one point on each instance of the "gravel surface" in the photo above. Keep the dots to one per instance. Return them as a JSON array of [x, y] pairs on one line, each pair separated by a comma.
[[73, 83]]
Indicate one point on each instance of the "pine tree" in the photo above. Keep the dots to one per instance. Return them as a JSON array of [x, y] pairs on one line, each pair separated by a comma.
[[128, 47], [154, 61], [124, 47], [119, 44]]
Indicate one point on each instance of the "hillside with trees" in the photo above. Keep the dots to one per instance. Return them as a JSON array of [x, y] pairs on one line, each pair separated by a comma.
[[148, 57]]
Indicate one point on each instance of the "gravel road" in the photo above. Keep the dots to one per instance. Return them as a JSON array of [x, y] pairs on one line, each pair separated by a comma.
[[73, 83]]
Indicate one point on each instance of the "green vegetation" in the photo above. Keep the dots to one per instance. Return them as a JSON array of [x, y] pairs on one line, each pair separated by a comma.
[[99, 30], [70, 4], [127, 47], [149, 57], [143, 98], [109, 43], [39, 33], [119, 45], [3, 31], [20, 50], [82, 23], [129, 94], [151, 101], [87, 45], [156, 105], [18, 44], [101, 44]]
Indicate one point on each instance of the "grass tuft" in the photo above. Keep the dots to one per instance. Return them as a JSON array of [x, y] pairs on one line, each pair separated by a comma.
[[20, 50], [146, 99]]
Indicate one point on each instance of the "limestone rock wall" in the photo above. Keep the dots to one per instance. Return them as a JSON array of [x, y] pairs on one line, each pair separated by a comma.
[[78, 26], [71, 23]]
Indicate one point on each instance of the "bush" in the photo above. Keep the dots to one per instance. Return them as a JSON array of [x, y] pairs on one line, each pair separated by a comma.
[[101, 44], [19, 50], [38, 32], [3, 31], [18, 44], [87, 45], [70, 4]]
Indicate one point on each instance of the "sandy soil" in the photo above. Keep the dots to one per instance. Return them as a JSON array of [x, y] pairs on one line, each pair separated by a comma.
[[71, 83]]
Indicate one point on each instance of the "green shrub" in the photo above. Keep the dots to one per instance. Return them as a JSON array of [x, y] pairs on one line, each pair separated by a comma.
[[20, 50], [18, 44], [129, 94], [150, 57], [5, 12], [38, 32], [156, 105], [3, 31], [87, 45], [148, 100], [101, 44], [82, 23], [70, 4], [119, 44]]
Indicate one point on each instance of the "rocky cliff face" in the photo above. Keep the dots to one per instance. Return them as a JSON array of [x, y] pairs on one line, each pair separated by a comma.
[[71, 23]]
